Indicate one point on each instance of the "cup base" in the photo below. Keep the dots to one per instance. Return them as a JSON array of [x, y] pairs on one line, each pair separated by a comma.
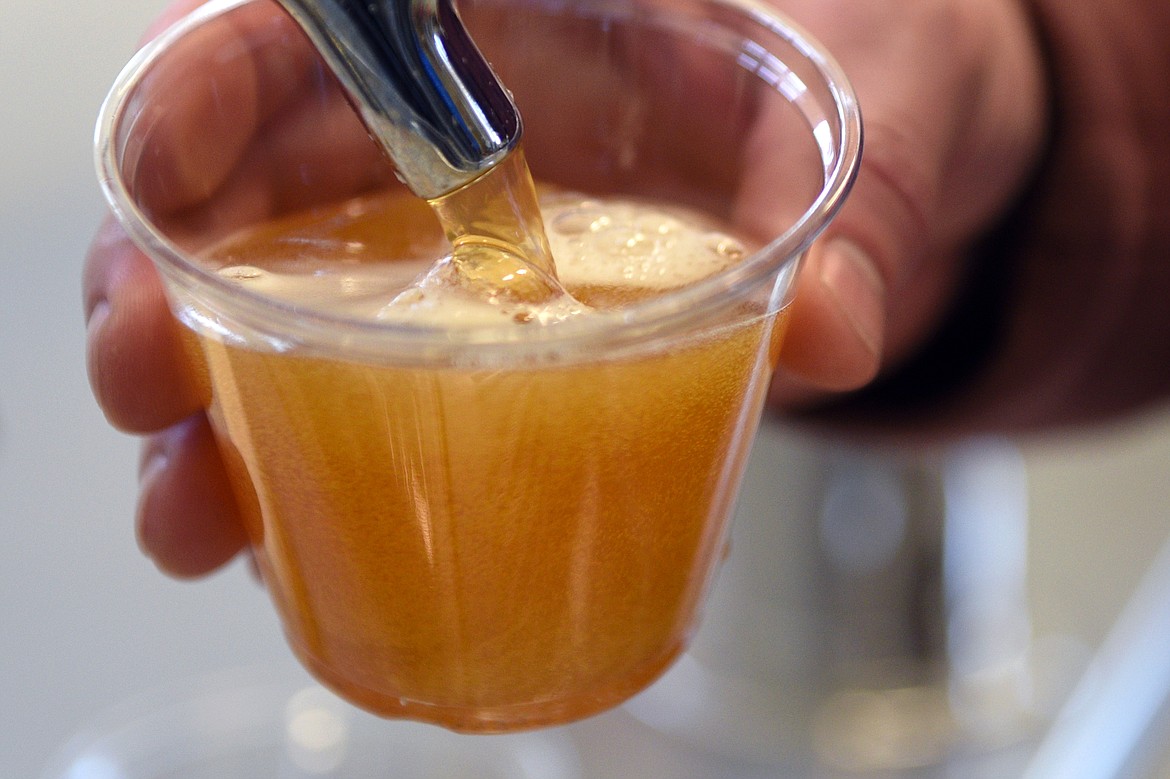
[[483, 720]]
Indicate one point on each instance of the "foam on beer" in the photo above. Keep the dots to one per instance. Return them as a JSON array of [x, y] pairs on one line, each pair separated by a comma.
[[632, 244], [627, 248]]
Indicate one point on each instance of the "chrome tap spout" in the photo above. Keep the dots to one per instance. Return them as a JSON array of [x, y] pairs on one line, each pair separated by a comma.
[[422, 87]]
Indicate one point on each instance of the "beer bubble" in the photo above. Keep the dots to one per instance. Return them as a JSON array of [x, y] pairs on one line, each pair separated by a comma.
[[242, 272], [577, 221], [726, 247]]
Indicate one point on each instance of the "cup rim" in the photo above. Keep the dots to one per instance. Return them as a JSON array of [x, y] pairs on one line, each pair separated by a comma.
[[626, 326]]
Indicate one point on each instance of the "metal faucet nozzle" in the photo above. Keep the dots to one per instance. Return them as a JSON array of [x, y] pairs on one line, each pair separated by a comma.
[[422, 87]]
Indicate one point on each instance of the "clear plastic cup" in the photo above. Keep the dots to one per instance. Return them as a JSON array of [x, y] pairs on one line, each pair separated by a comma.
[[497, 527]]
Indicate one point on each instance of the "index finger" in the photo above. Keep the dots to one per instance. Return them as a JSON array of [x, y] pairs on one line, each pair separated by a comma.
[[202, 99]]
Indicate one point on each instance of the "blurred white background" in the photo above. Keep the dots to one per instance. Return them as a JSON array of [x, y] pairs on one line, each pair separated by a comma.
[[86, 621]]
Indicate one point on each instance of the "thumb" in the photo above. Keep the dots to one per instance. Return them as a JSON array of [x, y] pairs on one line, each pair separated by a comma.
[[882, 277], [836, 327], [951, 131], [865, 296]]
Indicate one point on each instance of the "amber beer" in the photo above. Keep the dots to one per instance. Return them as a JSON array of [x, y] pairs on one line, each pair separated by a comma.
[[485, 546]]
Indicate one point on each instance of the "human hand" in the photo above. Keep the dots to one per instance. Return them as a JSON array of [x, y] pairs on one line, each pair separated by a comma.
[[138, 358], [953, 107], [186, 518]]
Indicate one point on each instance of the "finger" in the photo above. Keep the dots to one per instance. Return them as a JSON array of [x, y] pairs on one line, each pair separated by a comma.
[[187, 521], [142, 369], [286, 169], [948, 99], [201, 103], [836, 331], [852, 313], [228, 125], [866, 294]]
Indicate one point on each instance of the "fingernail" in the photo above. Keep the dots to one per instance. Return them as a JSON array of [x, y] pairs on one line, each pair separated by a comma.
[[853, 281]]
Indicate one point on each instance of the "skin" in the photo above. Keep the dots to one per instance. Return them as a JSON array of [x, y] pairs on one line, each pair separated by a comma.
[[953, 100]]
